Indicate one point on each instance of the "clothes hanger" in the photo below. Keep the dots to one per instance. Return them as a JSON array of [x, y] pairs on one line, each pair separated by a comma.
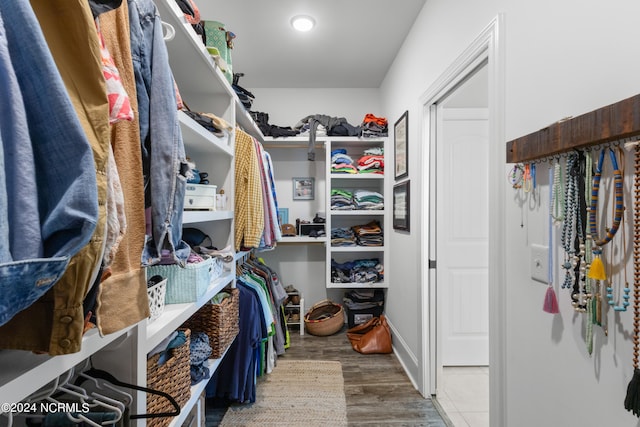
[[80, 417], [124, 398], [106, 376], [169, 32]]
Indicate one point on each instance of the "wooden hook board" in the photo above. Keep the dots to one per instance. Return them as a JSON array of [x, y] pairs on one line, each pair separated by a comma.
[[611, 123]]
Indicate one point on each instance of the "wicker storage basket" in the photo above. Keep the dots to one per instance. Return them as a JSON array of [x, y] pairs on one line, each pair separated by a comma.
[[218, 321], [186, 284], [324, 318], [173, 378]]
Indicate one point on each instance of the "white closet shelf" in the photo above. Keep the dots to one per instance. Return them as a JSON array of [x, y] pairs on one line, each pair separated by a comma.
[[357, 176], [175, 315], [184, 48], [244, 120], [198, 139], [357, 249], [302, 239], [26, 372], [358, 212], [191, 217], [350, 285]]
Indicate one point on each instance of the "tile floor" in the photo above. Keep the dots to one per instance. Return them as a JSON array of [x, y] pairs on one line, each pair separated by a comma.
[[464, 395]]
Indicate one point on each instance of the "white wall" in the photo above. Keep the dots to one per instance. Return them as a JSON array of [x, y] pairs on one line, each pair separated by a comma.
[[287, 106], [562, 58]]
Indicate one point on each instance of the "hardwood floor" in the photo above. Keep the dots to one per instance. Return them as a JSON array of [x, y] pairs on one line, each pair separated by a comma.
[[378, 392]]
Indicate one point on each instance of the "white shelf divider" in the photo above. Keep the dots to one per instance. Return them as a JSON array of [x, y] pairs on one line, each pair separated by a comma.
[[190, 217]]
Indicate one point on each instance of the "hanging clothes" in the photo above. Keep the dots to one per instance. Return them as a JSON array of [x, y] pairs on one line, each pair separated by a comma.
[[163, 156], [249, 205], [74, 117], [122, 295], [235, 378]]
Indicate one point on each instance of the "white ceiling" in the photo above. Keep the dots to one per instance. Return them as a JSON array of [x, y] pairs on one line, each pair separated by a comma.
[[352, 46]]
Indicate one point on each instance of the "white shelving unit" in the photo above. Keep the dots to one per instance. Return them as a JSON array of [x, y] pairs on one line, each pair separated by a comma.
[[124, 353], [347, 218], [292, 309]]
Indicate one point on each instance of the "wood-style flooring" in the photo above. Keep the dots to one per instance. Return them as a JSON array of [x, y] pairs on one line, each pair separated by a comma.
[[378, 392]]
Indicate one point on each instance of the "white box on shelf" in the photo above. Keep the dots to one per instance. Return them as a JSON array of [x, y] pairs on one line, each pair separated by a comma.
[[200, 196]]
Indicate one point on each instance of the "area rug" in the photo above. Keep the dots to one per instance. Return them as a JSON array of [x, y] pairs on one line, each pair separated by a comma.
[[296, 393]]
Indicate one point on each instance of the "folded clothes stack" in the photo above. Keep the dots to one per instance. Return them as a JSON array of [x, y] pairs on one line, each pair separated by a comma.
[[368, 234], [358, 271], [368, 200]]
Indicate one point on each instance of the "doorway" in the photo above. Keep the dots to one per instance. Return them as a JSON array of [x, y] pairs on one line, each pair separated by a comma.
[[461, 210], [463, 276]]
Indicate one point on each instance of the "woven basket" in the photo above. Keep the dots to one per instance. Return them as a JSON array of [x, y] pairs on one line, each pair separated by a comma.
[[218, 321], [324, 318], [173, 378]]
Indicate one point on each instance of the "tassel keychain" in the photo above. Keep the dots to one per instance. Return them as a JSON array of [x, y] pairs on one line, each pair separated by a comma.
[[550, 300]]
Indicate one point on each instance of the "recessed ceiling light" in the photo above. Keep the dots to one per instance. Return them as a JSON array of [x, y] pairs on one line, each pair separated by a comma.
[[303, 23]]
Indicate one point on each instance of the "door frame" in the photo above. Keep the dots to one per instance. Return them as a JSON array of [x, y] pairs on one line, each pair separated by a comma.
[[488, 46]]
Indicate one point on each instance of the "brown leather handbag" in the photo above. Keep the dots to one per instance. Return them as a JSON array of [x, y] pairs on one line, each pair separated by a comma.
[[371, 337]]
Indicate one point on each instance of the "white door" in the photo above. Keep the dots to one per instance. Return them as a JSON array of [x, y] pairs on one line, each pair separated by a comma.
[[462, 235]]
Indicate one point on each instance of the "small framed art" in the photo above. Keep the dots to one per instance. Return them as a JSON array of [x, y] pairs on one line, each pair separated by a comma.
[[401, 146], [401, 206], [303, 188]]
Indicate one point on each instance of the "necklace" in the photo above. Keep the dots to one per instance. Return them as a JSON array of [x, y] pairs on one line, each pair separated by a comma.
[[619, 205], [625, 289], [558, 193], [550, 300], [580, 295], [631, 399], [572, 224], [515, 176]]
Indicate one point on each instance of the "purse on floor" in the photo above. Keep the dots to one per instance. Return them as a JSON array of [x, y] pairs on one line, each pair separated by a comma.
[[371, 337]]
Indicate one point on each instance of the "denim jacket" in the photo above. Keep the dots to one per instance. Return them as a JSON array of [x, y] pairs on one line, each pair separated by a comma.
[[163, 153], [48, 190]]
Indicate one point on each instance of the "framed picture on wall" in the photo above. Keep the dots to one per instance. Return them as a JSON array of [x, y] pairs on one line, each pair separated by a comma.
[[401, 146], [303, 188], [401, 206]]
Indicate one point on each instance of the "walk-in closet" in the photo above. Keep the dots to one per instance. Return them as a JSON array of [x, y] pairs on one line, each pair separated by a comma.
[[305, 213]]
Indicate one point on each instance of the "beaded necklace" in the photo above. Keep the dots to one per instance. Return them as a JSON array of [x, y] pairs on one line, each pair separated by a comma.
[[571, 227], [558, 194], [574, 236], [619, 205], [610, 287], [550, 300], [515, 176], [633, 389]]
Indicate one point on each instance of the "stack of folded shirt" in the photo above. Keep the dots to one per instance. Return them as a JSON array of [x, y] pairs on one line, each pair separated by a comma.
[[363, 299], [369, 234], [342, 200], [341, 162], [358, 271], [369, 200], [342, 236], [374, 127], [371, 164]]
